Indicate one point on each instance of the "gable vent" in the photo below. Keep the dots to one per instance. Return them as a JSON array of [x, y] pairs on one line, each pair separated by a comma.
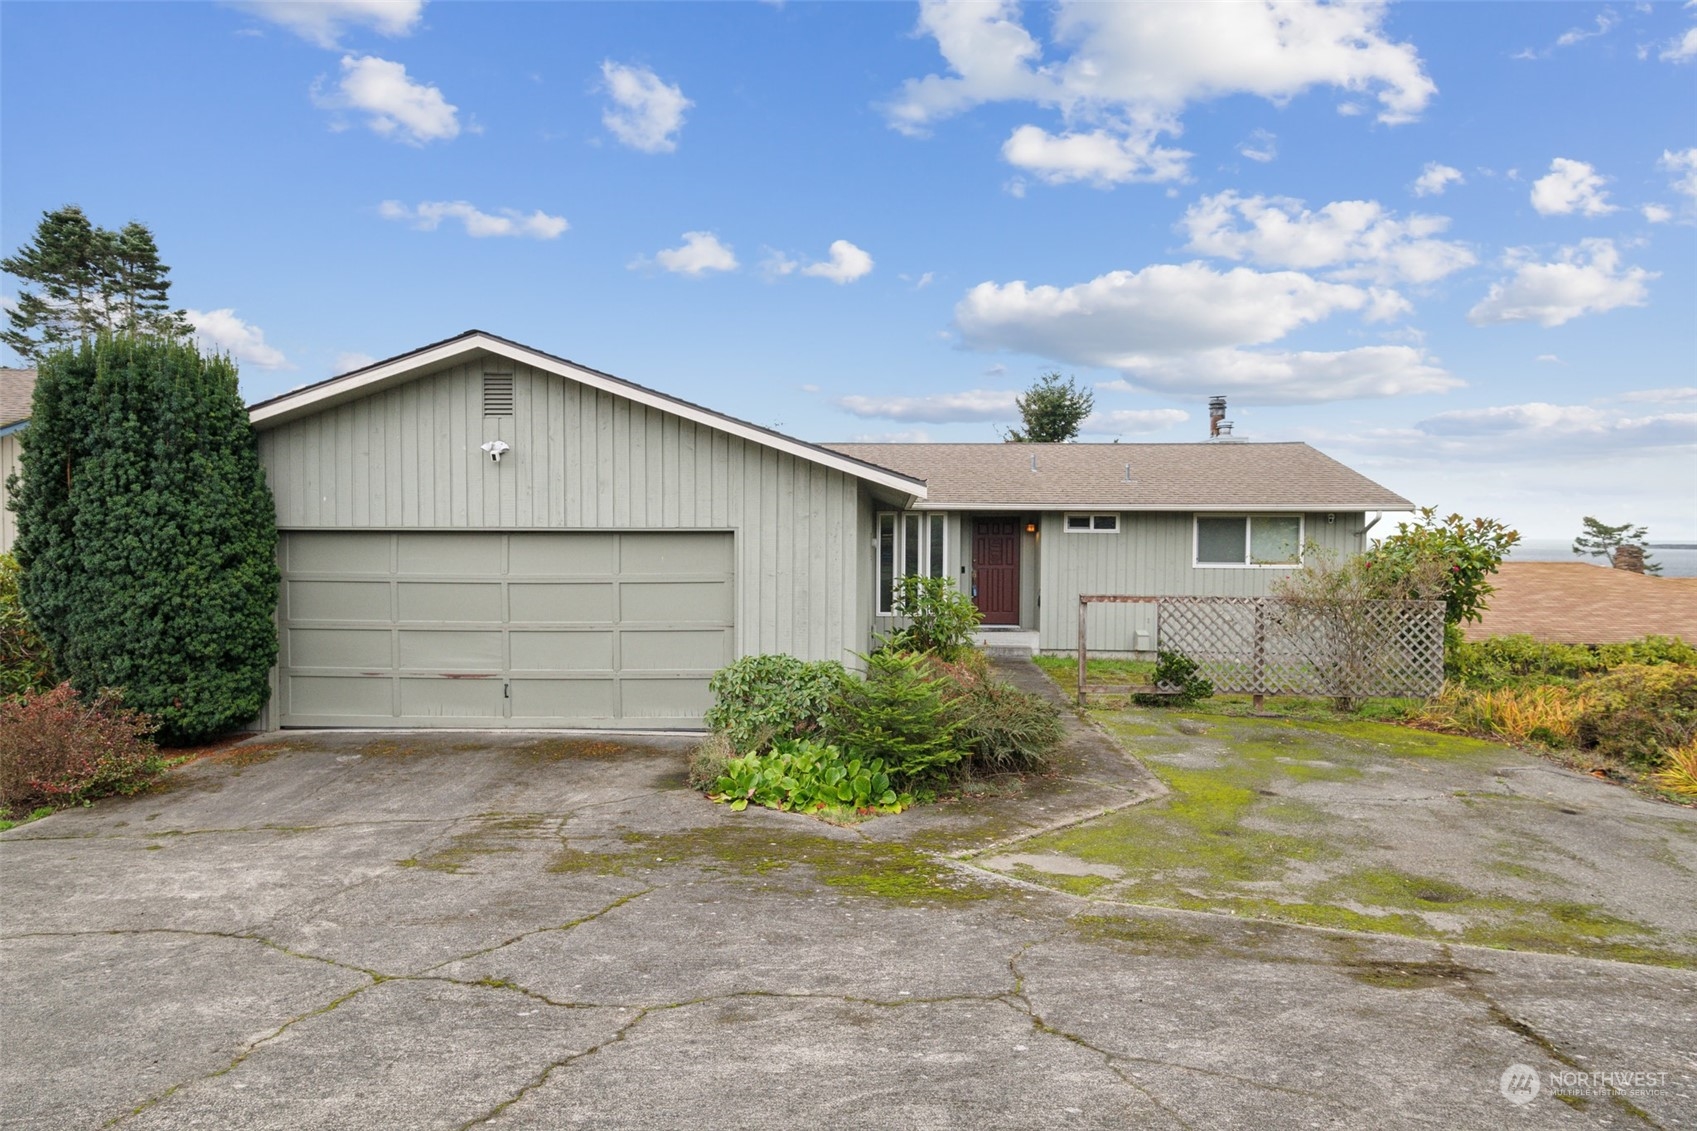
[[497, 394]]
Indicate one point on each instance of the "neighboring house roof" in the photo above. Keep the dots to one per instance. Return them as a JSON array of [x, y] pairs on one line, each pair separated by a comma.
[[398, 370], [1232, 475], [17, 388], [1579, 603]]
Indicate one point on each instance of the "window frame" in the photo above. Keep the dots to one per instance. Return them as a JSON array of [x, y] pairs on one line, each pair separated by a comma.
[[1094, 519], [931, 554], [1248, 518]]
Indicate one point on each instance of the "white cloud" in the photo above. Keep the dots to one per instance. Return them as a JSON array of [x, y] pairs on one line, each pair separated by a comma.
[[1355, 239], [647, 112], [1553, 359], [1101, 157], [1570, 186], [1683, 49], [936, 408], [1677, 395], [847, 263], [223, 331], [1129, 70], [324, 21], [700, 253], [1656, 213], [1683, 164], [1587, 279], [352, 360], [1171, 327], [1606, 21], [775, 265], [1435, 178], [428, 216], [1261, 145], [393, 104], [1565, 427], [1132, 421]]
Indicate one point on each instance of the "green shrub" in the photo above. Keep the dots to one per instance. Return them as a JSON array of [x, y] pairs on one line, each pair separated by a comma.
[[899, 715], [57, 748], [760, 699], [808, 776], [940, 618], [707, 760], [1639, 712], [1176, 671], [1002, 728], [1504, 660], [24, 662]]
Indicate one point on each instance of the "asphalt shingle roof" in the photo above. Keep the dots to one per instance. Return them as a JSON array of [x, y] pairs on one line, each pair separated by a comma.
[[1210, 475], [1580, 603], [17, 386]]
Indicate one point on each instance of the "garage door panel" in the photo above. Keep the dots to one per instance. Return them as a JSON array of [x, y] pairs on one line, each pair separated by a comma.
[[363, 649], [483, 699], [338, 601], [348, 697], [339, 553], [674, 650], [562, 651], [586, 699], [562, 602], [672, 602], [449, 601], [654, 552], [664, 698], [455, 652], [474, 629], [549, 555], [452, 555]]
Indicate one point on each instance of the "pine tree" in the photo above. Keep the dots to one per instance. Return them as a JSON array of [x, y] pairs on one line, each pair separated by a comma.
[[146, 533], [87, 281], [1600, 540], [67, 263]]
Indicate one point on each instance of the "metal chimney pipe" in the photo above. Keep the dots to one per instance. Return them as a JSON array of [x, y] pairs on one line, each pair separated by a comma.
[[1216, 413]]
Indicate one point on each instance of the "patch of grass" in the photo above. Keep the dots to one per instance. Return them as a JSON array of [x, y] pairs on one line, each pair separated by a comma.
[[493, 835], [34, 815]]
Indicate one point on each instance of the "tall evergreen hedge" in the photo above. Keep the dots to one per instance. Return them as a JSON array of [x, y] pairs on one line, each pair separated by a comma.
[[147, 534]]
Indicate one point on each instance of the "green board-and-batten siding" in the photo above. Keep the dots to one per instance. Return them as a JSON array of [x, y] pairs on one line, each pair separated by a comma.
[[1152, 555], [408, 458]]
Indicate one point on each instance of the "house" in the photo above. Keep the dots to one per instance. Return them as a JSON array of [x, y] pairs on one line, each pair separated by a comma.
[[17, 387], [480, 534]]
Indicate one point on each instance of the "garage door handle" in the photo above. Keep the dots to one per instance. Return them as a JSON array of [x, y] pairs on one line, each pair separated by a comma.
[[506, 691]]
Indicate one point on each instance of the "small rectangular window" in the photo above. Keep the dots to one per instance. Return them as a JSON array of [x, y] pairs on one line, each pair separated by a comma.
[[911, 545], [936, 563], [1092, 524], [1220, 541], [886, 562], [1275, 540], [1249, 540]]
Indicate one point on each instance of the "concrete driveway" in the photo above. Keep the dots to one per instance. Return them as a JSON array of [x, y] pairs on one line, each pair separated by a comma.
[[444, 931]]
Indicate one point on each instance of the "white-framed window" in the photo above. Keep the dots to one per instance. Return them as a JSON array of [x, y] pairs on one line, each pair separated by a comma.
[[1092, 524], [1224, 541], [909, 544]]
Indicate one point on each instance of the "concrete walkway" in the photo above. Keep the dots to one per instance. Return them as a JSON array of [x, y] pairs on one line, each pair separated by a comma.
[[453, 930]]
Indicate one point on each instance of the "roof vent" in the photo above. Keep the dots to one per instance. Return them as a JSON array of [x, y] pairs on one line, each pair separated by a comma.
[[1218, 425], [497, 394]]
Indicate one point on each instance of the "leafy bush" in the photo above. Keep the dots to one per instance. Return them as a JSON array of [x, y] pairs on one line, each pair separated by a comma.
[[1505, 660], [760, 699], [1176, 671], [57, 748], [24, 662], [900, 715], [1546, 714], [707, 761], [808, 776], [1445, 559], [941, 619], [1639, 712], [1002, 727]]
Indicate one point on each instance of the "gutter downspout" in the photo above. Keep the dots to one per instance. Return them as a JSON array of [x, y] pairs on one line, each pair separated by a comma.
[[1377, 515]]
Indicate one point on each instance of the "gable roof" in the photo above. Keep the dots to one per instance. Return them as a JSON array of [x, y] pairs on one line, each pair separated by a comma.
[[1235, 475], [405, 367], [17, 390]]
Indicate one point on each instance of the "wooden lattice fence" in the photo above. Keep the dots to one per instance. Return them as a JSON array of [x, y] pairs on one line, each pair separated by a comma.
[[1278, 646]]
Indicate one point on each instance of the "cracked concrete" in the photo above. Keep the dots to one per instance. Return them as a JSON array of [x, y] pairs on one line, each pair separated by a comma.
[[452, 931]]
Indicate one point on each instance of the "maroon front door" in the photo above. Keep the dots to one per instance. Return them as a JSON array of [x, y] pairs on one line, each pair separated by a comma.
[[995, 569]]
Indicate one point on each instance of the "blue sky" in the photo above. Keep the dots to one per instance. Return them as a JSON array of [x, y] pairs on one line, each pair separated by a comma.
[[1453, 245]]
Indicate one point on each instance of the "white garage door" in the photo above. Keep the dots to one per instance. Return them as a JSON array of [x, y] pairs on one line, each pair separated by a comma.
[[490, 630]]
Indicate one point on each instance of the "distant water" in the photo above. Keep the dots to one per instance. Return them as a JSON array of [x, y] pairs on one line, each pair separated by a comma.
[[1674, 563]]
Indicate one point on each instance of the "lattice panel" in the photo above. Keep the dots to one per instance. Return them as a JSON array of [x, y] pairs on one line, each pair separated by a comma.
[[1271, 646]]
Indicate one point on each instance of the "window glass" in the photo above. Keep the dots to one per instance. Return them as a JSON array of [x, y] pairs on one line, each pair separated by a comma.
[[910, 544], [936, 563], [1106, 522], [886, 561], [1275, 538], [1219, 541], [1078, 522]]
